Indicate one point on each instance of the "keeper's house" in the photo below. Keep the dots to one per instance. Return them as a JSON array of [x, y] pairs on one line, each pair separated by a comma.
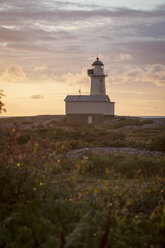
[[93, 108]]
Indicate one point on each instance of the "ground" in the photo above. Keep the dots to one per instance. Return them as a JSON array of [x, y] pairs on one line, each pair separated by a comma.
[[51, 199]]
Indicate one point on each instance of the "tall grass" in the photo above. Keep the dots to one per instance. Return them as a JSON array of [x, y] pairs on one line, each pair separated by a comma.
[[124, 165]]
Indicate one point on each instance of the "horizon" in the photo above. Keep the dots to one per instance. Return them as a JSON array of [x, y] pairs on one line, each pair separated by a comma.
[[146, 116], [46, 49]]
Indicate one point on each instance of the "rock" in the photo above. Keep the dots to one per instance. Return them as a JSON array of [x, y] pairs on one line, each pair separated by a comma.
[[78, 153]]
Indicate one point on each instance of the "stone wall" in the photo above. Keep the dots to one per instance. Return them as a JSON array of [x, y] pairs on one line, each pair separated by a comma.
[[84, 118]]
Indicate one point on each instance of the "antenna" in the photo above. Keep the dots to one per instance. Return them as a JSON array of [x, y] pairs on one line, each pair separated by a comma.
[[97, 52]]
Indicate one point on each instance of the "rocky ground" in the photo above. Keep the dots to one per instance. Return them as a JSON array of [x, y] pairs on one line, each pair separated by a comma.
[[120, 122], [79, 153]]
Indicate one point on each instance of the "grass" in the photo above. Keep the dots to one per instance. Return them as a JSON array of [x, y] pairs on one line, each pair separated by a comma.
[[150, 138], [125, 122], [47, 200]]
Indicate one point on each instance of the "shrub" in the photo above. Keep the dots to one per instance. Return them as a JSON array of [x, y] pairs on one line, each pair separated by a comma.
[[26, 123], [127, 122], [47, 200], [23, 139], [157, 143], [125, 165]]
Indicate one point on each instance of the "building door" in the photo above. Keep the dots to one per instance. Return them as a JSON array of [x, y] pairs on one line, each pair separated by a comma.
[[90, 119]]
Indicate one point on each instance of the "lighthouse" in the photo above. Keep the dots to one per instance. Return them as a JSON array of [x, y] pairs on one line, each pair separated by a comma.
[[93, 108], [97, 78]]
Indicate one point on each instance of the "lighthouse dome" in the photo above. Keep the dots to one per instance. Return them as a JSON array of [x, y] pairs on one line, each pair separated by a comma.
[[97, 62]]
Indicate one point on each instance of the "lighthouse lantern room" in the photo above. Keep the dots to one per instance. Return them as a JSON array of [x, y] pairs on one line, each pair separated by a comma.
[[95, 107]]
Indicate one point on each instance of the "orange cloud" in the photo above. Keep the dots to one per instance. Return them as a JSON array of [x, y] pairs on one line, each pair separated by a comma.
[[40, 68], [13, 74], [77, 78], [154, 74], [36, 97], [151, 74]]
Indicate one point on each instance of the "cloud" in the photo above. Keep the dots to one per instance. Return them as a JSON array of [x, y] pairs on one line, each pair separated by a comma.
[[63, 35], [121, 74], [51, 14], [150, 74], [29, 34], [142, 52], [40, 68], [37, 97], [76, 78], [60, 28], [33, 4], [151, 51], [128, 74], [13, 74], [124, 56]]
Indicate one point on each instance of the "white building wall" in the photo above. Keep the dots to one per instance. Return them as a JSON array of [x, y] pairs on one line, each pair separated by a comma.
[[109, 108], [105, 108], [98, 85]]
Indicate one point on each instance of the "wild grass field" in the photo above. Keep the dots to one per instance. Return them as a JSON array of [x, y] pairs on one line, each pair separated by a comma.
[[97, 201]]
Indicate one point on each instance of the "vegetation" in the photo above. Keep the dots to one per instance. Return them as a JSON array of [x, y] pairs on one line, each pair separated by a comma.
[[48, 200], [151, 138], [124, 122], [2, 106]]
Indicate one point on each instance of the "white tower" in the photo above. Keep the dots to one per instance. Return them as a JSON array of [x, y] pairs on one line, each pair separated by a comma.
[[97, 78]]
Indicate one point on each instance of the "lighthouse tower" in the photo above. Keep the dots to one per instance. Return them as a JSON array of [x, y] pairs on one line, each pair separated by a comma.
[[93, 108], [97, 78]]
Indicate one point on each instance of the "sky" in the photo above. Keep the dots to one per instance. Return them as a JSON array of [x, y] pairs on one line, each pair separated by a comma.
[[47, 46]]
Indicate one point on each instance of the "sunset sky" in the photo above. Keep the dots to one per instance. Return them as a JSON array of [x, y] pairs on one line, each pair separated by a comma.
[[46, 47]]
